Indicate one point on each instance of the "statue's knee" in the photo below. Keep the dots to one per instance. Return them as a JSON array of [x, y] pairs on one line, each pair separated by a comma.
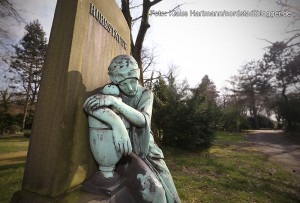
[[151, 189], [159, 195]]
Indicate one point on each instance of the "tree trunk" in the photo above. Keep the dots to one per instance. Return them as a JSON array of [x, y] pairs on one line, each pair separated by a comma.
[[256, 123], [136, 48], [25, 112], [288, 116]]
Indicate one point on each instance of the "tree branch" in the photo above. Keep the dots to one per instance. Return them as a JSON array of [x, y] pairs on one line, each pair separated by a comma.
[[293, 37], [152, 3], [170, 11], [265, 40], [135, 19], [296, 30], [126, 13], [133, 7], [285, 4], [175, 8]]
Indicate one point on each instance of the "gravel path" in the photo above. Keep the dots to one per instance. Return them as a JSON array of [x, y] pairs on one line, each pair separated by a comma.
[[278, 147]]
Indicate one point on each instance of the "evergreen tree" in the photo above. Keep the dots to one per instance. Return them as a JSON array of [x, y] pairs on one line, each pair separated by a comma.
[[160, 105], [168, 106], [204, 113], [27, 65], [182, 119], [167, 102]]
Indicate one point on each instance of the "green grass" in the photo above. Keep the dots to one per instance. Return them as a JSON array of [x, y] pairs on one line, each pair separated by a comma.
[[10, 180], [230, 173], [13, 144], [230, 136], [11, 168]]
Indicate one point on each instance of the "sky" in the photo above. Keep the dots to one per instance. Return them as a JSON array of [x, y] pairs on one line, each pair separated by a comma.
[[43, 10], [216, 46], [29, 10]]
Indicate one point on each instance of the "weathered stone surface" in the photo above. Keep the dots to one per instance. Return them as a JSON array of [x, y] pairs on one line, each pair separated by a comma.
[[79, 52]]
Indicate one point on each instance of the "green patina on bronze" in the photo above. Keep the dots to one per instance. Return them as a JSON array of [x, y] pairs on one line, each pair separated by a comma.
[[149, 176]]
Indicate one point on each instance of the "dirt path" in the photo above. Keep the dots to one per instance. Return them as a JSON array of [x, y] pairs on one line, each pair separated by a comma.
[[279, 147]]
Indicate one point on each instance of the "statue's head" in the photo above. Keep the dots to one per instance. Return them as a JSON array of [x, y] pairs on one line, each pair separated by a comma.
[[123, 67], [125, 73]]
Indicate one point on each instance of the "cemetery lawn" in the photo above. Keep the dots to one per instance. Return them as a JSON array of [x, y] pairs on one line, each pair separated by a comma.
[[232, 170], [13, 150], [13, 143]]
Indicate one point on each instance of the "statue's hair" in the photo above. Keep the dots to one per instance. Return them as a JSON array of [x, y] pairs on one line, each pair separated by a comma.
[[123, 67]]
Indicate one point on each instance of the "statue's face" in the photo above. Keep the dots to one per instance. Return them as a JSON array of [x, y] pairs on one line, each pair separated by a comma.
[[129, 86]]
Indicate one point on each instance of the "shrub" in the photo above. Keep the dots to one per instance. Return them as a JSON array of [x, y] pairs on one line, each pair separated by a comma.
[[14, 128], [27, 134], [263, 122], [6, 121]]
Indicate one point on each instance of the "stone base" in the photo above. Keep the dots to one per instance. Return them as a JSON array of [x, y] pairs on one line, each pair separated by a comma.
[[123, 195], [98, 184]]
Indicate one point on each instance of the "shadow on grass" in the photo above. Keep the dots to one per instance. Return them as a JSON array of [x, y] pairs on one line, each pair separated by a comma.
[[10, 162], [19, 138], [10, 180], [230, 173], [252, 179], [12, 166]]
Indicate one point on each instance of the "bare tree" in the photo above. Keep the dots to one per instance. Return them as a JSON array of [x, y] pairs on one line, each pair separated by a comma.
[[8, 13], [5, 98], [295, 10], [9, 16], [137, 44], [149, 57]]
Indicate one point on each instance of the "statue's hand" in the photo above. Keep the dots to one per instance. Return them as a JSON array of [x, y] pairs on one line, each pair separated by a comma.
[[96, 101], [122, 141], [86, 105]]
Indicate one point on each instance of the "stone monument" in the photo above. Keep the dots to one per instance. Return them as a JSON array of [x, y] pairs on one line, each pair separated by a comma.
[[85, 36]]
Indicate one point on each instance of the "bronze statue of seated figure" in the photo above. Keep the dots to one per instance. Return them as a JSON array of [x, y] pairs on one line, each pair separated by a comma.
[[119, 117]]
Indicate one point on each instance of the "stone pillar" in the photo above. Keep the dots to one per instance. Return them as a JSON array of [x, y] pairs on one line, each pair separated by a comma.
[[85, 36]]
